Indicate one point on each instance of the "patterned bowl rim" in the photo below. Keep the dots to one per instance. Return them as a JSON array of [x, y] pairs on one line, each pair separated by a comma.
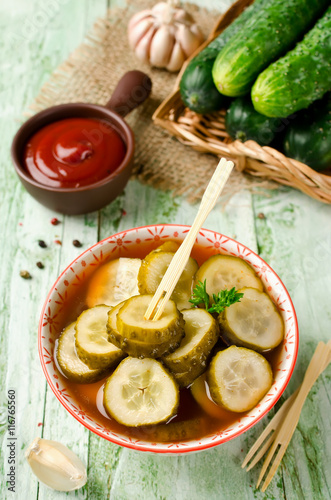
[[190, 445]]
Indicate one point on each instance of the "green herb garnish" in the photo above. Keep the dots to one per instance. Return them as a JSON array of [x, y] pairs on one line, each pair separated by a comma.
[[223, 299]]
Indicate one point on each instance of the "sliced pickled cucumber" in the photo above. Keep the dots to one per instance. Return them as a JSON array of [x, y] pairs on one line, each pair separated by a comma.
[[200, 391], [141, 350], [167, 246], [183, 290], [136, 348], [132, 325], [185, 379], [153, 268], [112, 318], [91, 336], [238, 378], [176, 431], [223, 272], [190, 360], [114, 282], [140, 392], [151, 271], [69, 362], [254, 322]]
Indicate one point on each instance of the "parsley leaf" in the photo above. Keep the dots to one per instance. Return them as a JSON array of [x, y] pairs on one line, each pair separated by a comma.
[[199, 295], [223, 299]]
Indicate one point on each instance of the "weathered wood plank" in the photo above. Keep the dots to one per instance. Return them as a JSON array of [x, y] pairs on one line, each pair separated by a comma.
[[32, 45], [294, 237], [58, 424]]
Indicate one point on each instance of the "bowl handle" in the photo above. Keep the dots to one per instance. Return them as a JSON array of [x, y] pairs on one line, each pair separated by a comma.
[[132, 90]]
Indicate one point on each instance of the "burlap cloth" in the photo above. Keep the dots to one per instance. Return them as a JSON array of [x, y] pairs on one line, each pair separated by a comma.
[[91, 73]]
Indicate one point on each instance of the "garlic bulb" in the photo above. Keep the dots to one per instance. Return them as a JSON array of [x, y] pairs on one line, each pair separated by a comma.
[[55, 465], [164, 36]]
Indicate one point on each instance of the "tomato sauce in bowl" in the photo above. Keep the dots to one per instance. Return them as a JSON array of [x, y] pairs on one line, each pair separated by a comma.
[[74, 152], [76, 158]]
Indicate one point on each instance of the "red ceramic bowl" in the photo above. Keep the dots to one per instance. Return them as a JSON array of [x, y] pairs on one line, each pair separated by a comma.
[[140, 241]]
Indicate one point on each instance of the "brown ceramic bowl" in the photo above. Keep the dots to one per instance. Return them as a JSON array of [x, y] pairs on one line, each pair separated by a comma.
[[132, 90]]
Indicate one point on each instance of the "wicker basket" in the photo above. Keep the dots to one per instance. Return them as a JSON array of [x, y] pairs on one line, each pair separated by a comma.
[[206, 133]]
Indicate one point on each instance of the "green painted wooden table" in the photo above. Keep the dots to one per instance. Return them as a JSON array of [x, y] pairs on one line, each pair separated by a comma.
[[294, 236]]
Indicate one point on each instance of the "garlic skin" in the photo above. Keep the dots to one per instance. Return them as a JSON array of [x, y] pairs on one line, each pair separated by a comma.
[[55, 465], [165, 36]]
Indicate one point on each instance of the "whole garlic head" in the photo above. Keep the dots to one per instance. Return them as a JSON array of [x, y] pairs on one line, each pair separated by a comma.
[[164, 36]]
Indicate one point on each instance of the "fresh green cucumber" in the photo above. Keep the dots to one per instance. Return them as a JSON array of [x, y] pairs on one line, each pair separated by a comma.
[[197, 89], [308, 137], [300, 77], [275, 28], [244, 123]]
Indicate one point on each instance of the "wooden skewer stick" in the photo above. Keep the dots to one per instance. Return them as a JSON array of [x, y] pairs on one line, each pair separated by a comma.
[[175, 269], [285, 431], [257, 451]]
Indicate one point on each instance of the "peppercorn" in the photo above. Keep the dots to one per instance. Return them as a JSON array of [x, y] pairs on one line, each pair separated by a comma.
[[40, 265], [42, 244], [261, 215], [25, 274], [77, 243], [55, 221]]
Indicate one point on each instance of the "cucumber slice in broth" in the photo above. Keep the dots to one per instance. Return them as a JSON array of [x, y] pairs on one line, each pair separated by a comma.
[[153, 268], [200, 391], [136, 348], [254, 322], [167, 246], [69, 362], [114, 282], [190, 360], [141, 350], [92, 343], [223, 272], [193, 428], [238, 378], [131, 323], [140, 392]]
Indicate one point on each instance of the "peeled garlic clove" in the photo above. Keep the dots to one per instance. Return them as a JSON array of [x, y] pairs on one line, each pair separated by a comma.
[[161, 47], [177, 58], [188, 40], [55, 465], [143, 47], [139, 30]]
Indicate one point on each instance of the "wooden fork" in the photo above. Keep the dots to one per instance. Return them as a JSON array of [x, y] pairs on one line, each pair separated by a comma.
[[174, 271], [286, 419]]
